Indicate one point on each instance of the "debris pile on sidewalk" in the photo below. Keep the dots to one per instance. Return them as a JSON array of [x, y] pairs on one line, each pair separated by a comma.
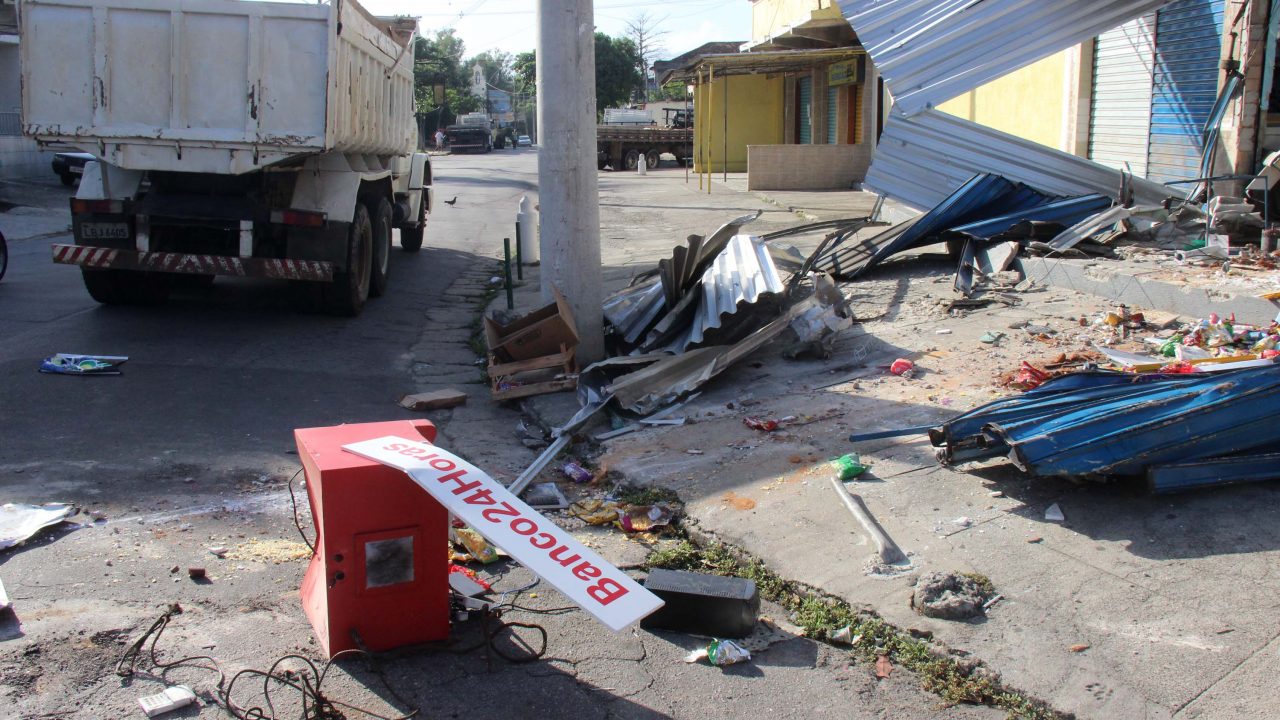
[[990, 220], [711, 304]]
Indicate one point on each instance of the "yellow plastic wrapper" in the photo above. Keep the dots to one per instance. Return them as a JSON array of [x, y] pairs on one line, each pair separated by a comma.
[[594, 512], [475, 544]]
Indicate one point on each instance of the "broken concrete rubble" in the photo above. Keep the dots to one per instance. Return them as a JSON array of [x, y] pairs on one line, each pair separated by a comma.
[[948, 596]]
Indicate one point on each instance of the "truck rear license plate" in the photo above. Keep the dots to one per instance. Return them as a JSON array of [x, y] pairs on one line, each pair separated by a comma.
[[104, 231]]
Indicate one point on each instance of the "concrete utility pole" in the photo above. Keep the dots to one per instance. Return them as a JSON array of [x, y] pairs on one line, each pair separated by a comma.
[[567, 188]]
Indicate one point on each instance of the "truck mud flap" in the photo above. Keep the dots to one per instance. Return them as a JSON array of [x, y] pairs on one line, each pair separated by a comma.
[[118, 259]]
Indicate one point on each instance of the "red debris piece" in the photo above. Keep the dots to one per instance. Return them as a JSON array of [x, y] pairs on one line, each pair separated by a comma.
[[763, 424]]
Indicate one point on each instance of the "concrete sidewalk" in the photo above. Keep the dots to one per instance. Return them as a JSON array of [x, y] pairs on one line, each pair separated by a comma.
[[1135, 607]]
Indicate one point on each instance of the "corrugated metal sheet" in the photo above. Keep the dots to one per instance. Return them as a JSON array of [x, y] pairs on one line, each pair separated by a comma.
[[1188, 44], [930, 51], [1210, 416], [923, 159], [1120, 112], [980, 196], [740, 276], [1067, 211]]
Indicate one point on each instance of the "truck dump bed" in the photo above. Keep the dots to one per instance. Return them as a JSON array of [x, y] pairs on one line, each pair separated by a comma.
[[215, 86]]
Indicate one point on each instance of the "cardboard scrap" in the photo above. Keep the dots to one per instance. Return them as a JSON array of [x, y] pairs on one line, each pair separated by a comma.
[[434, 400]]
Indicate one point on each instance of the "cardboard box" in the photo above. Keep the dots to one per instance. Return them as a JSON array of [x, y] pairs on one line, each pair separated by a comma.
[[543, 332]]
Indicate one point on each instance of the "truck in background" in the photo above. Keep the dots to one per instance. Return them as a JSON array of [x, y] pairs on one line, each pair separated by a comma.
[[473, 132], [630, 137], [235, 138]]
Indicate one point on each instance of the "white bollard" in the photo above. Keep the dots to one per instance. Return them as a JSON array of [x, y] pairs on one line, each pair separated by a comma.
[[527, 218], [642, 167]]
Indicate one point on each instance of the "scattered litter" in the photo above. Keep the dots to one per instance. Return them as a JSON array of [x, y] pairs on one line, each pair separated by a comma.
[[942, 331], [902, 367], [720, 652], [476, 545], [992, 601], [762, 424], [577, 473], [884, 667], [644, 518], [845, 636], [171, 699], [595, 512], [848, 466], [693, 451], [948, 596], [1035, 539], [963, 522], [435, 400], [218, 551], [466, 583], [1079, 647], [1054, 514], [72, 364], [196, 573], [19, 522], [546, 496], [991, 337]]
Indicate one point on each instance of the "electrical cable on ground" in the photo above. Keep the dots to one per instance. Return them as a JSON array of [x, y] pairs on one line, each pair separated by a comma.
[[294, 502]]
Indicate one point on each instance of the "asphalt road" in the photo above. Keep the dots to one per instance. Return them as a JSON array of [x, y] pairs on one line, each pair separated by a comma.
[[215, 379]]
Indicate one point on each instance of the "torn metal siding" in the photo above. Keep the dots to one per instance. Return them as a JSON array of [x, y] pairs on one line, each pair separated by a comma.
[[930, 51], [740, 276], [923, 159], [1172, 422]]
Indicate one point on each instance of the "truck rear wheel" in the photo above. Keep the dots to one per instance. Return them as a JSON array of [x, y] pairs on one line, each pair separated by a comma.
[[381, 270], [652, 158], [631, 159], [125, 287], [349, 290], [411, 238]]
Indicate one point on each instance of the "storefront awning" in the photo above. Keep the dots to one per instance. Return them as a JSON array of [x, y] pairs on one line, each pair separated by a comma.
[[755, 63]]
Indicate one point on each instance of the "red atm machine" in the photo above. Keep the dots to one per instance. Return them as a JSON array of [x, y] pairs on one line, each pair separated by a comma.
[[380, 572]]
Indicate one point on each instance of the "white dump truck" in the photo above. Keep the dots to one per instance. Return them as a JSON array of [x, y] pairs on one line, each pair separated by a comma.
[[233, 137]]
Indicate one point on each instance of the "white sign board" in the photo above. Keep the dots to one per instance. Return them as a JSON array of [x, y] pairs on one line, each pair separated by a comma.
[[504, 520]]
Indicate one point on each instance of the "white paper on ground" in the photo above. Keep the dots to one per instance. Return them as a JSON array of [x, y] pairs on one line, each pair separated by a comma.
[[19, 522]]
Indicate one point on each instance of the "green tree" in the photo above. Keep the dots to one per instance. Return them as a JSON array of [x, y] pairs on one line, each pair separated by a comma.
[[525, 69], [437, 60], [617, 73]]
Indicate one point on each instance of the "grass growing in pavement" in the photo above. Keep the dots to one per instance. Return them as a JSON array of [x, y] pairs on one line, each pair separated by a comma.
[[820, 616], [637, 495]]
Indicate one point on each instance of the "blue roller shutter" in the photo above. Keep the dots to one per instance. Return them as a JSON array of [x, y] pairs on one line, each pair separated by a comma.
[[1188, 46], [833, 94], [804, 117]]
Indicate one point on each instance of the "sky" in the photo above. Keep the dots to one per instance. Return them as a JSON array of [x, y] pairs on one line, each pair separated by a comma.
[[510, 25]]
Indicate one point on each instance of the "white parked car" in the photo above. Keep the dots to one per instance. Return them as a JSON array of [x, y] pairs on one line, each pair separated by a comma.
[[523, 141]]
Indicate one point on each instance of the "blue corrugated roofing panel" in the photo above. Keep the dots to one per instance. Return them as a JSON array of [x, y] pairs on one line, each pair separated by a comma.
[[1219, 414], [1067, 212]]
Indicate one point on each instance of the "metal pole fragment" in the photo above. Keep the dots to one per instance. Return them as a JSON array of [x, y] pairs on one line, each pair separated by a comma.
[[506, 267], [519, 254], [886, 548]]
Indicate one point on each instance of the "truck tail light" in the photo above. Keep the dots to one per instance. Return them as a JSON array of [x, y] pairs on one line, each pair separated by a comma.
[[300, 218], [84, 207]]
